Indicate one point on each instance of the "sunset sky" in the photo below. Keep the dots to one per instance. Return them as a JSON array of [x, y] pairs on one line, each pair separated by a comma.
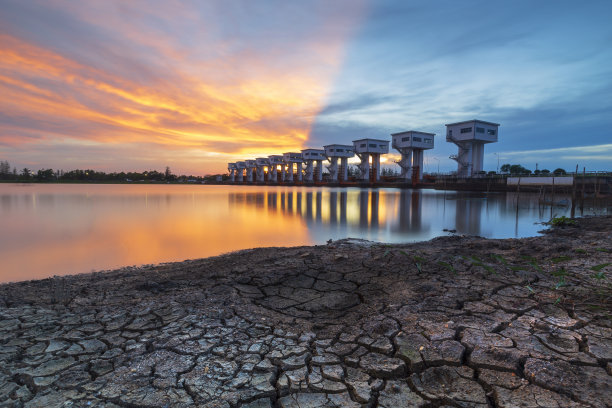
[[136, 85]]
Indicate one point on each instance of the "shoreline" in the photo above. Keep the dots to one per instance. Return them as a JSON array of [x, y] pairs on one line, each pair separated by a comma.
[[582, 190], [454, 320]]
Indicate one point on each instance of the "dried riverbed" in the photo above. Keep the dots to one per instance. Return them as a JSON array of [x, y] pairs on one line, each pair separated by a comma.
[[456, 321]]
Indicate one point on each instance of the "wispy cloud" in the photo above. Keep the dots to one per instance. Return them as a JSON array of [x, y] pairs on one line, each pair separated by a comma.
[[595, 152], [170, 76]]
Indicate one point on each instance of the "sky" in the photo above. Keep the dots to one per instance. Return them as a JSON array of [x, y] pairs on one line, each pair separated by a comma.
[[114, 85]]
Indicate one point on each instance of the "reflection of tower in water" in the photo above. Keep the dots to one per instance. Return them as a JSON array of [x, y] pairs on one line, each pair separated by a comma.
[[272, 197], [333, 208], [318, 204], [363, 208], [368, 208], [374, 208], [290, 203], [334, 203], [468, 212], [343, 202], [410, 211]]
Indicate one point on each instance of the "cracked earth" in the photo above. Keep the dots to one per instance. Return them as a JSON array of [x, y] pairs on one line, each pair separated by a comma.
[[453, 322]]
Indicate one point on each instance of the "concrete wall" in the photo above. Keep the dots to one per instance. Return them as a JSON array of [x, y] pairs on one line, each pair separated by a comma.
[[541, 181]]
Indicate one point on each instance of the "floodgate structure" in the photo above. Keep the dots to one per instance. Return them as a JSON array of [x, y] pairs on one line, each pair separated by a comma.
[[306, 166]]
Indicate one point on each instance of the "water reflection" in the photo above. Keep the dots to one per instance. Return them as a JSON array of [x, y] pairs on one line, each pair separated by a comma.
[[62, 229]]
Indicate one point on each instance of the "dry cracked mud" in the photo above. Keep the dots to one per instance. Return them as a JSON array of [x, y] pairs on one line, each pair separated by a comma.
[[453, 322]]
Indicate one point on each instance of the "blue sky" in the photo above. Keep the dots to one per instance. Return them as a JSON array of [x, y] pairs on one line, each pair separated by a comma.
[[543, 70], [138, 85]]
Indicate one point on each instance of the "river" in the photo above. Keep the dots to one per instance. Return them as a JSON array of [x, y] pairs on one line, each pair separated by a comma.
[[62, 229]]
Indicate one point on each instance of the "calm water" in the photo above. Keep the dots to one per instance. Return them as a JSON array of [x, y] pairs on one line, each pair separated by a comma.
[[48, 230]]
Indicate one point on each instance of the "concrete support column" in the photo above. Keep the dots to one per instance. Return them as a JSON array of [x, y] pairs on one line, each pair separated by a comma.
[[364, 166], [249, 177], [240, 175], [333, 169], [272, 173], [308, 177], [232, 175], [344, 168], [477, 157], [319, 170], [376, 166], [469, 157], [417, 160], [260, 174], [406, 164], [299, 171]]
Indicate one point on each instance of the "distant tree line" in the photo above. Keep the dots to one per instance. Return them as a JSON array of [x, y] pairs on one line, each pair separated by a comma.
[[517, 169], [93, 176]]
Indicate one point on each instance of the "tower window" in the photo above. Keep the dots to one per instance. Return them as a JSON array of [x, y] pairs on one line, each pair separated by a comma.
[[491, 132], [466, 130]]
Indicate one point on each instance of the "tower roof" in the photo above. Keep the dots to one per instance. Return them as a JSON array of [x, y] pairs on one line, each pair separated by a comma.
[[473, 120]]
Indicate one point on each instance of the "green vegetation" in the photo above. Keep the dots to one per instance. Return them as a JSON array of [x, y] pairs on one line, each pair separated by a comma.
[[562, 221], [447, 266], [598, 268], [533, 262], [418, 261], [560, 259], [475, 261], [515, 169], [560, 273], [559, 172], [499, 258], [92, 176]]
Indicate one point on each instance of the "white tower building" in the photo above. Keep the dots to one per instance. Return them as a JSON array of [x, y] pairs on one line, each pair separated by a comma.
[[470, 137], [290, 159], [370, 148], [275, 161], [261, 163], [231, 168], [335, 152], [314, 164], [250, 166], [411, 145], [240, 166]]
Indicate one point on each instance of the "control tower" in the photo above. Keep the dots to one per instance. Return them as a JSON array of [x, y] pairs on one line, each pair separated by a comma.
[[370, 148], [335, 152], [231, 168], [411, 145], [314, 164], [250, 166], [275, 161], [290, 159], [470, 137], [240, 166], [261, 163]]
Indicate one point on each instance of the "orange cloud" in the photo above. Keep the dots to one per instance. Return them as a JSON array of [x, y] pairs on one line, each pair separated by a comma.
[[224, 102]]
